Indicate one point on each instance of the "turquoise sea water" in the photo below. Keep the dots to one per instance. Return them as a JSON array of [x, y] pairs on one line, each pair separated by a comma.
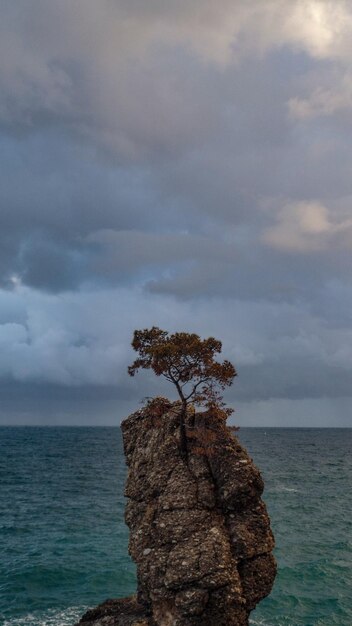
[[63, 542]]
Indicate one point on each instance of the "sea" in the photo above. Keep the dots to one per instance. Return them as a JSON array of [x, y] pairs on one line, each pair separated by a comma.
[[63, 541]]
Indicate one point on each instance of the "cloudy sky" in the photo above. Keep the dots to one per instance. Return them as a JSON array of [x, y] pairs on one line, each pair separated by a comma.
[[182, 164]]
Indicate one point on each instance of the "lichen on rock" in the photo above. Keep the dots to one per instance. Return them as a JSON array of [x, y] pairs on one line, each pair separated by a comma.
[[199, 531]]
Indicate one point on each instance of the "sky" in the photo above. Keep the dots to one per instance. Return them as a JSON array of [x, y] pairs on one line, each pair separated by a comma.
[[180, 164]]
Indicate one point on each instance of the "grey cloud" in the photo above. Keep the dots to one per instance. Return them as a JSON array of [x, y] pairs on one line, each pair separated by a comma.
[[51, 266], [52, 196], [127, 251], [77, 340], [42, 404], [56, 67], [159, 165], [308, 412]]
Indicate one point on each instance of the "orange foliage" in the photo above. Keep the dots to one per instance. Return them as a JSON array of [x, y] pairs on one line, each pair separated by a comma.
[[189, 363]]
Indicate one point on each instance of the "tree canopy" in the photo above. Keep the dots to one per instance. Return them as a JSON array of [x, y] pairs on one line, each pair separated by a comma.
[[188, 362]]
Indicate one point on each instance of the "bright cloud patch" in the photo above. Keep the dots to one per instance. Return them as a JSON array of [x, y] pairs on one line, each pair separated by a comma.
[[307, 227]]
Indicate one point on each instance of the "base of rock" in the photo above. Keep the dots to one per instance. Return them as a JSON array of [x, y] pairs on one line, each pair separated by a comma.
[[121, 612]]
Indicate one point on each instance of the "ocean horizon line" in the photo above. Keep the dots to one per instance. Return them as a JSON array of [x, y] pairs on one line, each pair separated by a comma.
[[119, 426]]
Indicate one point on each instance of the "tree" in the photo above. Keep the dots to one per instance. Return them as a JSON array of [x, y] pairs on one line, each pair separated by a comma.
[[189, 363]]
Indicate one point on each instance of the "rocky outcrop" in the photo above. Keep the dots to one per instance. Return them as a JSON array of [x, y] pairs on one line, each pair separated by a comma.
[[199, 531]]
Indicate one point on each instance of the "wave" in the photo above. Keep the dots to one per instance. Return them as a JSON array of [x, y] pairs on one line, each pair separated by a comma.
[[65, 617], [280, 488]]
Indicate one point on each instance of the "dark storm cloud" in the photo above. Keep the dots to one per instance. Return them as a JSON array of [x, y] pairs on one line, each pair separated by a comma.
[[181, 164]]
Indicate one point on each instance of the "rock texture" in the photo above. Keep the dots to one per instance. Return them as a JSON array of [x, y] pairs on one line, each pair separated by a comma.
[[199, 531]]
